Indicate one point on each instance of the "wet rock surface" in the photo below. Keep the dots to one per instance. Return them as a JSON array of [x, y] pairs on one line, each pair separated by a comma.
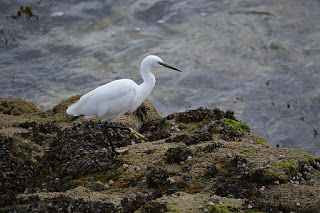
[[209, 162]]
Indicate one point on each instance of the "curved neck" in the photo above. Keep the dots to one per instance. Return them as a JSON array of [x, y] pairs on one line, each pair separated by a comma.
[[149, 80]]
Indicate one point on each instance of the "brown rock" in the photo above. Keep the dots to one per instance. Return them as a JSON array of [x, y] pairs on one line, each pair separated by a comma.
[[16, 106]]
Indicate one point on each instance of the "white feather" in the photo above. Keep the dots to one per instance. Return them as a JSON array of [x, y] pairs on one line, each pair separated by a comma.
[[120, 96]]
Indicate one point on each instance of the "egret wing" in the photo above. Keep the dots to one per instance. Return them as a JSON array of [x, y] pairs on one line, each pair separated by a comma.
[[108, 100]]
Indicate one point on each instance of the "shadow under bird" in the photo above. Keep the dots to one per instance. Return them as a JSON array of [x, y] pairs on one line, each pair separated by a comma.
[[120, 96]]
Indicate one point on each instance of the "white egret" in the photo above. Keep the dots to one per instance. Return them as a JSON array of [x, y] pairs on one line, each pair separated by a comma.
[[120, 96]]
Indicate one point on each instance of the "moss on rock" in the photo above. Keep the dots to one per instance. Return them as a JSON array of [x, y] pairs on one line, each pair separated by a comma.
[[236, 125], [12, 106]]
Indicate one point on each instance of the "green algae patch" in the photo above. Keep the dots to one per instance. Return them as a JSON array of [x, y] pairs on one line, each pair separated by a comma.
[[269, 176], [290, 166], [279, 171], [301, 154], [236, 125], [261, 141]]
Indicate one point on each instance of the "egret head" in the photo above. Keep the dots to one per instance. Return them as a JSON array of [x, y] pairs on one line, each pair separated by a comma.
[[156, 61]]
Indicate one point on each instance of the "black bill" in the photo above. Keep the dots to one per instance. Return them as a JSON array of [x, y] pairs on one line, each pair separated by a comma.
[[170, 67]]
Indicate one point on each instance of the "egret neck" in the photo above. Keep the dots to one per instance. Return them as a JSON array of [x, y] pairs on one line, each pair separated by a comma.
[[149, 80]]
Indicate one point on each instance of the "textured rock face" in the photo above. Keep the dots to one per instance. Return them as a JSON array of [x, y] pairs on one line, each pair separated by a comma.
[[208, 161], [80, 150], [16, 107], [257, 58], [17, 168]]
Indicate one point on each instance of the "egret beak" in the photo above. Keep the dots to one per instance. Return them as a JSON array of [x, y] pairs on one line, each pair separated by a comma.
[[170, 67]]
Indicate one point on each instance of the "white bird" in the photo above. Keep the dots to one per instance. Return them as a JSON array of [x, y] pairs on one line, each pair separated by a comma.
[[120, 96]]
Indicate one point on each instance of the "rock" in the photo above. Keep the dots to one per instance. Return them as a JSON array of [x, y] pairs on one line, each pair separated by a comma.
[[79, 199], [62, 106], [197, 115], [210, 162], [82, 149], [17, 107], [197, 137], [178, 154], [229, 129], [144, 114], [17, 167], [154, 207], [212, 171], [277, 196], [40, 133], [97, 186], [157, 178], [212, 147], [135, 200], [156, 130]]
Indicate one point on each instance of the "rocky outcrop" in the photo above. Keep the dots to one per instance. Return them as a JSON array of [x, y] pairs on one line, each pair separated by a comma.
[[16, 107], [202, 160]]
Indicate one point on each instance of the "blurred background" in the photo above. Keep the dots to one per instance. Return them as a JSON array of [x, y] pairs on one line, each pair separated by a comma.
[[260, 59]]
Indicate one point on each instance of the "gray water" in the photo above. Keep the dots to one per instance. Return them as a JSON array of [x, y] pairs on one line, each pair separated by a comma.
[[260, 59]]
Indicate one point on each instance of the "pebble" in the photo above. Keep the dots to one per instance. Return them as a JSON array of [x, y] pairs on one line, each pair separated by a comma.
[[110, 182]]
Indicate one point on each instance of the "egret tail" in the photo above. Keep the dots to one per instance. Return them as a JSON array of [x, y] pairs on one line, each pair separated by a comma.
[[73, 110]]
